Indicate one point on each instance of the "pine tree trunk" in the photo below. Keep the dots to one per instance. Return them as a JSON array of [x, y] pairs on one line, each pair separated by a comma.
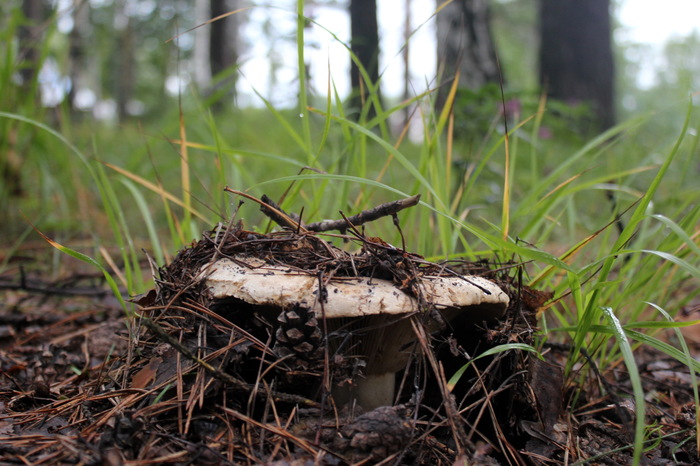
[[222, 50], [576, 60], [30, 40], [200, 57], [223, 46], [126, 71], [406, 55], [465, 44], [365, 46], [78, 68]]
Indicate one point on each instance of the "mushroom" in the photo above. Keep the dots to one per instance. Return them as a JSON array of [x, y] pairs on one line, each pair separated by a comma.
[[375, 310]]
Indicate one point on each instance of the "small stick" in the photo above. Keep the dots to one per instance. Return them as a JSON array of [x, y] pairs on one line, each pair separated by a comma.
[[398, 227], [281, 217], [382, 210], [277, 215]]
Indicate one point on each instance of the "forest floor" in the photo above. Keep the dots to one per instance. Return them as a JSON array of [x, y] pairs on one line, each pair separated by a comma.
[[81, 383]]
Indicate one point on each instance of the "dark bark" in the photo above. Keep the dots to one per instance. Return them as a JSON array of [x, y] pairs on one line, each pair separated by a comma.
[[405, 55], [223, 46], [576, 60], [364, 43], [465, 44], [222, 50], [78, 41], [126, 71], [30, 39]]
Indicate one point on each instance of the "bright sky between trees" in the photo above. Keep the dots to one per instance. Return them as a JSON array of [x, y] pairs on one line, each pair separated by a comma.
[[642, 21]]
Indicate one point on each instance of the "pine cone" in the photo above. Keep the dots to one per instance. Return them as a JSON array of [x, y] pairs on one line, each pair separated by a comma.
[[298, 332], [374, 435]]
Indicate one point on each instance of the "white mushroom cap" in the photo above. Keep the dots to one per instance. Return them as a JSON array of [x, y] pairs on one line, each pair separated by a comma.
[[385, 332], [257, 283]]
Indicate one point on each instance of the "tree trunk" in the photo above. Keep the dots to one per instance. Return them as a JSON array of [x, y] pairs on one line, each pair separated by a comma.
[[465, 44], [126, 71], [78, 43], [30, 39], [576, 60], [223, 48], [364, 43], [200, 57], [406, 55]]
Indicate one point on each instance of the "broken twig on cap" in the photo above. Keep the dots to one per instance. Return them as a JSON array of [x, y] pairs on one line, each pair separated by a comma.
[[292, 221], [382, 210], [272, 210], [282, 218]]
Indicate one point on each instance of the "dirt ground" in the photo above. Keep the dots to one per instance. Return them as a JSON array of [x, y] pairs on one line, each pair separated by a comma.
[[192, 380]]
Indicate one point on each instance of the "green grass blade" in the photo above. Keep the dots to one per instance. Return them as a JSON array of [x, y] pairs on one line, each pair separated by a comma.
[[147, 219], [89, 260], [693, 379], [678, 231], [639, 214], [407, 164], [301, 68], [694, 271], [491, 351], [635, 380], [601, 140]]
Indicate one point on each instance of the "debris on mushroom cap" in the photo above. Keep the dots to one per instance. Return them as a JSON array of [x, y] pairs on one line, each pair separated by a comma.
[[373, 311], [255, 282]]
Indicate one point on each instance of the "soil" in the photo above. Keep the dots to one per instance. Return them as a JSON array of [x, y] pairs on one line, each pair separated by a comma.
[[191, 380]]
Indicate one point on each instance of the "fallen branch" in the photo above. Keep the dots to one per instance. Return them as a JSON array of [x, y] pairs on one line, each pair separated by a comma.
[[279, 216], [382, 210], [272, 210], [291, 221]]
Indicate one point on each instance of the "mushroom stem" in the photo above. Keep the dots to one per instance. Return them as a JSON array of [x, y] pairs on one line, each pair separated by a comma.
[[369, 392], [375, 390]]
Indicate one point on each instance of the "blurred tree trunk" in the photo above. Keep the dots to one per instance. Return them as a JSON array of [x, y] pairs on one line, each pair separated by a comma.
[[27, 96], [126, 69], [364, 43], [465, 44], [406, 55], [200, 58], [77, 45], [35, 12], [576, 60], [223, 48]]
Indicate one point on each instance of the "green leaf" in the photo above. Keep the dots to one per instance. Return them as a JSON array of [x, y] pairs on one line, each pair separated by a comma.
[[495, 350]]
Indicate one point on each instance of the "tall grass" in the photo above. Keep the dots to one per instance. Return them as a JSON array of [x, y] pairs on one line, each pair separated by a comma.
[[620, 271]]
